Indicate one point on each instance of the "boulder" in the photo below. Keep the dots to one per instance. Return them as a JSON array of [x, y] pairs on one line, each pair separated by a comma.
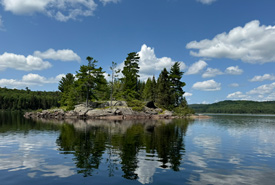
[[100, 112], [168, 113], [150, 111], [70, 114], [119, 103], [81, 109], [124, 111]]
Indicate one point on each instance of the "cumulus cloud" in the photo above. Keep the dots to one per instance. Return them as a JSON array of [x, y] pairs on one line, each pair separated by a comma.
[[30, 80], [62, 10], [63, 55], [206, 1], [209, 85], [234, 70], [263, 89], [187, 94], [262, 78], [20, 62], [237, 95], [151, 65], [210, 72], [252, 43], [196, 68], [262, 93], [108, 1]]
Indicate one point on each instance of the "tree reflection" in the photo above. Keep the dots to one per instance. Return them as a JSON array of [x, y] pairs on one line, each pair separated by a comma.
[[124, 141]]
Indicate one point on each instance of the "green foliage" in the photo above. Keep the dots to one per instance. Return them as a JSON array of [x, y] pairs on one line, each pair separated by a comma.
[[147, 94], [66, 84], [91, 82], [163, 98], [135, 103], [14, 99], [130, 79], [175, 76], [239, 107]]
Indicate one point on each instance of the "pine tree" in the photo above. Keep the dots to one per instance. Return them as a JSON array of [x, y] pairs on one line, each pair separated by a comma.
[[175, 76], [163, 98], [65, 85], [147, 92], [130, 79], [154, 89], [89, 80]]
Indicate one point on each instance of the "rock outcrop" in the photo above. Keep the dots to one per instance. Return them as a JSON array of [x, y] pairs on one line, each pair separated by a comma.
[[95, 110]]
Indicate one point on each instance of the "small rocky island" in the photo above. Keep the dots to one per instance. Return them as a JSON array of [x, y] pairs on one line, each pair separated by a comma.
[[118, 111]]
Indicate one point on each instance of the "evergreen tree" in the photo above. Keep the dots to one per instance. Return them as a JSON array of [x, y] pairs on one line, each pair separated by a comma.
[[147, 92], [163, 98], [66, 82], [91, 81], [154, 89], [65, 85], [130, 79], [176, 84], [101, 90]]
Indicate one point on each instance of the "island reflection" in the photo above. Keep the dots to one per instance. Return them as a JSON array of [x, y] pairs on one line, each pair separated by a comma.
[[136, 147]]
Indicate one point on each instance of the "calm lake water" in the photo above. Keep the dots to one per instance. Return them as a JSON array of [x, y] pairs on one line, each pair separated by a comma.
[[226, 149]]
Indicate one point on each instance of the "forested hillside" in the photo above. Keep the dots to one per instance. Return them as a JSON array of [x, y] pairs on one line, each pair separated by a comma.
[[241, 107], [14, 99]]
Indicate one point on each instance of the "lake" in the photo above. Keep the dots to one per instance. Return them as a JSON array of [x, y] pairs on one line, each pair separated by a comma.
[[226, 149]]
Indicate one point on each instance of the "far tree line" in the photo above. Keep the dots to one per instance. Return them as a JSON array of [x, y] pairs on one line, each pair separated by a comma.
[[89, 84], [14, 99]]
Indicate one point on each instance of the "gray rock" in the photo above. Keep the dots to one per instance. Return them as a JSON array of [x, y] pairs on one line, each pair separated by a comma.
[[150, 111], [119, 103], [125, 111], [167, 113], [100, 112], [81, 110]]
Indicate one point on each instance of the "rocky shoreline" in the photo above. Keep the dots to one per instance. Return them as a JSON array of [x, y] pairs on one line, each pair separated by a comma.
[[120, 111]]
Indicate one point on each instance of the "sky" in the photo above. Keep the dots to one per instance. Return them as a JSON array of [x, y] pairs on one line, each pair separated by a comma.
[[226, 48]]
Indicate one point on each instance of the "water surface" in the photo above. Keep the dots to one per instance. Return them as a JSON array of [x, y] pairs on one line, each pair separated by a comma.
[[226, 149]]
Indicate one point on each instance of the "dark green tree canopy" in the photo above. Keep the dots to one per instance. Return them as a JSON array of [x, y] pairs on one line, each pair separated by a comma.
[[66, 82], [130, 73], [175, 76]]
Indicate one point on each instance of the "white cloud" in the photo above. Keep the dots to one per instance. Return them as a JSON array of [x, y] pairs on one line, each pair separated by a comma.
[[237, 95], [209, 85], [196, 68], [206, 1], [263, 89], [20, 62], [109, 1], [252, 43], [234, 70], [151, 65], [62, 10], [187, 94], [234, 85], [262, 78], [210, 72], [271, 97], [262, 93], [63, 55], [30, 80]]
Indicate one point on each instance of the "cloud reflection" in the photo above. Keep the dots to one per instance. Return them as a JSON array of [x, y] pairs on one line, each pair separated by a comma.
[[25, 153]]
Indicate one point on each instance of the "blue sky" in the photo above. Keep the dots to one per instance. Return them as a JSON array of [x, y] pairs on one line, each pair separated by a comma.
[[226, 47]]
